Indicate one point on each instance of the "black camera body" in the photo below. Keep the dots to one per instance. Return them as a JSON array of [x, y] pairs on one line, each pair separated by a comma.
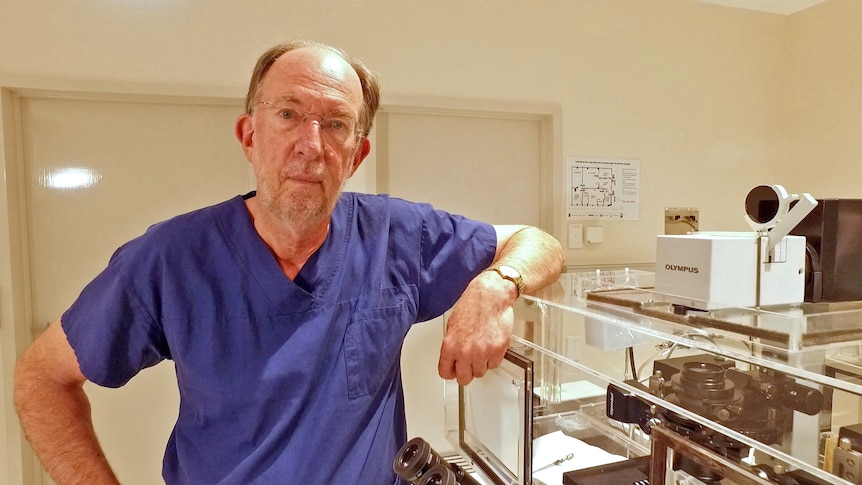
[[758, 403]]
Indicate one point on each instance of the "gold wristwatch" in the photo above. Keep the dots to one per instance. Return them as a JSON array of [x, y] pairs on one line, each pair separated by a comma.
[[509, 273]]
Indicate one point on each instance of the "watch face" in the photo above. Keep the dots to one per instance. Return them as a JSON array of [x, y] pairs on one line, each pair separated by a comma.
[[509, 271]]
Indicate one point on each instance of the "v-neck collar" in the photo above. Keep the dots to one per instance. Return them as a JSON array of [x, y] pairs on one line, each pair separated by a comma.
[[312, 285]]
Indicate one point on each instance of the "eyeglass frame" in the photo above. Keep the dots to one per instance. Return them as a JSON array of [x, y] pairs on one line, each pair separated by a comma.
[[323, 119]]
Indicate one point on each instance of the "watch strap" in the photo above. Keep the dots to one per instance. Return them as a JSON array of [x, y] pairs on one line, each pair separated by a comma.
[[511, 274]]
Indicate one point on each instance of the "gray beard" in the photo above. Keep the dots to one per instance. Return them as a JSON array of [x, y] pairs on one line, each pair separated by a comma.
[[304, 213], [300, 209]]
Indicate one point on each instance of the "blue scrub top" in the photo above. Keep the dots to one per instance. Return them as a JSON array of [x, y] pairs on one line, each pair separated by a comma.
[[280, 381]]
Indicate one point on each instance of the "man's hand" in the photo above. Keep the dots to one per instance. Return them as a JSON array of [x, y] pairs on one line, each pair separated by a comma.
[[478, 331]]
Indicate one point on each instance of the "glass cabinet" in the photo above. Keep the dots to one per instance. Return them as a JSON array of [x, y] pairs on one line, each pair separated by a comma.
[[607, 381]]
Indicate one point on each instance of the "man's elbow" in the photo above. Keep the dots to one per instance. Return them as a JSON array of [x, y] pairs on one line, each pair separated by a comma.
[[27, 379], [47, 366]]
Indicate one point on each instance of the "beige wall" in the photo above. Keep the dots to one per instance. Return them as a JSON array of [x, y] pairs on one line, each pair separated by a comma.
[[823, 137], [692, 90], [712, 100]]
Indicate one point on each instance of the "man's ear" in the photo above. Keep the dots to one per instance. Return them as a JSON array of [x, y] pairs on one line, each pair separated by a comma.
[[244, 132], [360, 155]]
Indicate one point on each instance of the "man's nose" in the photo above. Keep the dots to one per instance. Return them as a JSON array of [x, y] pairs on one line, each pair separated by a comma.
[[310, 134]]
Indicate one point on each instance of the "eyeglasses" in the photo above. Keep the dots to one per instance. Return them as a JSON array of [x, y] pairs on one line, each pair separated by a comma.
[[334, 129]]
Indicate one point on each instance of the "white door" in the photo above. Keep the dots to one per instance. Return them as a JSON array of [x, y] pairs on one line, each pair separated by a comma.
[[147, 161], [488, 167]]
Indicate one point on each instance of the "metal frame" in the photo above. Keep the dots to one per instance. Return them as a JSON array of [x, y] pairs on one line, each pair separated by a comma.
[[474, 455], [664, 440]]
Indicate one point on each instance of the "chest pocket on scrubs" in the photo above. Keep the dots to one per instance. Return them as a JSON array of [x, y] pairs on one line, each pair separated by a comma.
[[372, 347]]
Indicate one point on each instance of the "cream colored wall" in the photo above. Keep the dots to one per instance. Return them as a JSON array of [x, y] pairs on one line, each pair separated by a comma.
[[687, 88], [712, 100], [824, 94]]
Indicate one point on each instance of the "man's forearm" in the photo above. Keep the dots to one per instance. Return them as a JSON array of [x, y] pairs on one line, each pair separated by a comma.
[[480, 325], [537, 255], [56, 420]]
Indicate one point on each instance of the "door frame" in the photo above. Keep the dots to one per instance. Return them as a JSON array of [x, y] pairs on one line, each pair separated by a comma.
[[15, 334], [549, 117]]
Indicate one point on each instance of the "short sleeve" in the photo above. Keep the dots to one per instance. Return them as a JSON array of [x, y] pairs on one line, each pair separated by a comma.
[[113, 334], [454, 250]]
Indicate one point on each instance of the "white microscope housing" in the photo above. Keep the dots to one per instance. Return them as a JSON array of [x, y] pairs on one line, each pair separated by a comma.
[[766, 267]]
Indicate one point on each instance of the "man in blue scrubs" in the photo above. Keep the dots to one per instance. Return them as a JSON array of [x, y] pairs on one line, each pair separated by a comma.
[[284, 309]]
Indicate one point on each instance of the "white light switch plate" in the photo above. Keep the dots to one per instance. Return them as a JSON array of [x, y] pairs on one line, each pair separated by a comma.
[[576, 236]]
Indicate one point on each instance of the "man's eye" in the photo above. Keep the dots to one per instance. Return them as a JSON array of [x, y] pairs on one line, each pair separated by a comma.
[[337, 125], [287, 114]]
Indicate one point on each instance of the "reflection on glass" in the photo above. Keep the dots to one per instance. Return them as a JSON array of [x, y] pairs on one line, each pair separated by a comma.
[[69, 178]]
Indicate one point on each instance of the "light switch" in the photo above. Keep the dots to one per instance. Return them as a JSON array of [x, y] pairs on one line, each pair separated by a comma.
[[595, 234], [576, 236]]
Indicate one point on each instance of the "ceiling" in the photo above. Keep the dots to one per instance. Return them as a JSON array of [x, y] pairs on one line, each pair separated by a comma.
[[784, 7]]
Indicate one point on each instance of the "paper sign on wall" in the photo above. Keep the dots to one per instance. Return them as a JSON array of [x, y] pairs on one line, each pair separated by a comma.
[[602, 188]]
